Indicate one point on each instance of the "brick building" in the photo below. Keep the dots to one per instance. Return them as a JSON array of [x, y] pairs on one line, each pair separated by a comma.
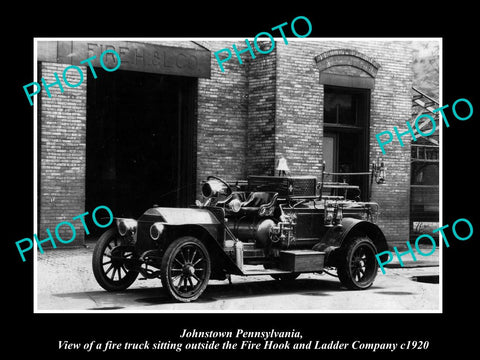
[[150, 131]]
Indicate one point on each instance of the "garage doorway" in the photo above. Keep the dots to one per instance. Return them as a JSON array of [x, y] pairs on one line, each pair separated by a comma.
[[140, 144]]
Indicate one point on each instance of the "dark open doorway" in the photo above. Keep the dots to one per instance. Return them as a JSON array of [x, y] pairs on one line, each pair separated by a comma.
[[346, 131], [140, 141]]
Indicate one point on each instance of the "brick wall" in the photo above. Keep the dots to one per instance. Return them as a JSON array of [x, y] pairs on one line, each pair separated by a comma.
[[260, 156], [299, 111], [391, 106], [222, 120], [61, 156], [236, 115]]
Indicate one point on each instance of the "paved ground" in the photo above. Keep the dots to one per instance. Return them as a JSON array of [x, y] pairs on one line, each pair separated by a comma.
[[65, 282]]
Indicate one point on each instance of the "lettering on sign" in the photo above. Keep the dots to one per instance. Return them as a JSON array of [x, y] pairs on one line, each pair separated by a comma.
[[410, 132], [164, 58], [136, 56], [101, 59], [95, 217], [249, 49], [386, 257]]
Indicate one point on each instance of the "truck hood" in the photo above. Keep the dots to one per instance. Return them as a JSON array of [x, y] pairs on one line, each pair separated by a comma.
[[180, 216]]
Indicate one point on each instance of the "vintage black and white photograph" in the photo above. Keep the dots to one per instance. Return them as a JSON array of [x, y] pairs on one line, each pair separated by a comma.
[[273, 174]]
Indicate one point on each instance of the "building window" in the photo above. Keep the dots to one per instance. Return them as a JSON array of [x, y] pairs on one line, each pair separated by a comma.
[[424, 182], [341, 108]]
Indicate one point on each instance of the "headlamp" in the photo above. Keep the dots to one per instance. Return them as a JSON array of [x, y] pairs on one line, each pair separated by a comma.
[[126, 225], [156, 230], [235, 205], [213, 188]]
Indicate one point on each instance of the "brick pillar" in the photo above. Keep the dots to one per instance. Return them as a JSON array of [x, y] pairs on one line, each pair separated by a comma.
[[299, 110], [222, 120], [61, 155], [260, 153]]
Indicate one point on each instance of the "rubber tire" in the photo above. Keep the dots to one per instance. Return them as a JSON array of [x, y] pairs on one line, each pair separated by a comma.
[[345, 256], [98, 271], [167, 260]]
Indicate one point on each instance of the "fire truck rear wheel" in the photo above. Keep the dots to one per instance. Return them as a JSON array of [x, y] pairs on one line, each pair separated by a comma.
[[357, 265]]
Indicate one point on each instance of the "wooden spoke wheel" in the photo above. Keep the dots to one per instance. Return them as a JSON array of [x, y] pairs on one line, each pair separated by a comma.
[[185, 269], [357, 267], [109, 262]]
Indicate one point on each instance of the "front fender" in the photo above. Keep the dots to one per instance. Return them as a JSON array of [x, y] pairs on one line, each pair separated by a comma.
[[211, 236]]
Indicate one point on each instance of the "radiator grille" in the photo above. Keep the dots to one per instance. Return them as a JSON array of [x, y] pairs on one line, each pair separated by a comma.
[[144, 241]]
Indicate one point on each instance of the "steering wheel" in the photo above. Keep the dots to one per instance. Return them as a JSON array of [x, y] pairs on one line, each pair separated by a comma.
[[229, 189]]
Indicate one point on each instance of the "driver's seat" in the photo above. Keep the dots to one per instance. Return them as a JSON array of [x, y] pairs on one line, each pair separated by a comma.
[[259, 199]]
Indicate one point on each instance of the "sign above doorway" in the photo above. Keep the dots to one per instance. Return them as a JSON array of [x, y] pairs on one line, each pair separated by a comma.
[[136, 56]]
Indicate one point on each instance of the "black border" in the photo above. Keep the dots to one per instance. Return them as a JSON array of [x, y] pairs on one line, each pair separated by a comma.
[[41, 332]]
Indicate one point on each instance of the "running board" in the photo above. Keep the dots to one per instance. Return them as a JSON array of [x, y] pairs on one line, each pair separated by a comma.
[[254, 272]]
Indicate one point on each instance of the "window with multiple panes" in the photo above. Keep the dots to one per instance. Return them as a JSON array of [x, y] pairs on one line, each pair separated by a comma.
[[345, 142]]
